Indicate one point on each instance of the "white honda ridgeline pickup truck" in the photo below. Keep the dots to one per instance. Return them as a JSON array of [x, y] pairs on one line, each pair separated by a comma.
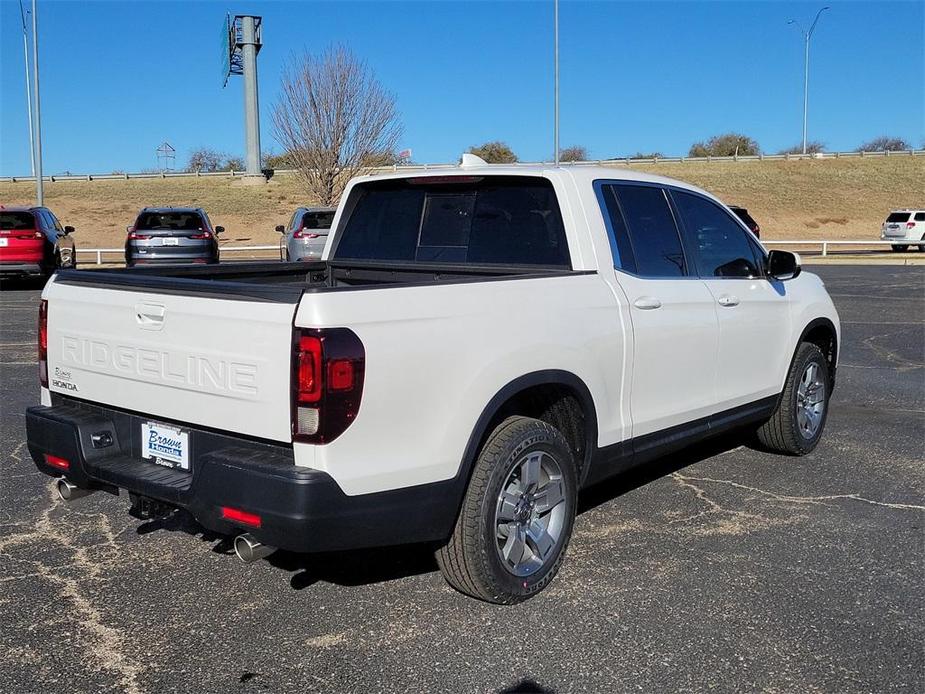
[[473, 348]]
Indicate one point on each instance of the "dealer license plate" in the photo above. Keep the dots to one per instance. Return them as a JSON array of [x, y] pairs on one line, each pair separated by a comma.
[[170, 241], [165, 445]]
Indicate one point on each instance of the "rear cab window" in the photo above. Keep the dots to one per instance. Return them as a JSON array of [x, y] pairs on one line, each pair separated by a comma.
[[477, 220]]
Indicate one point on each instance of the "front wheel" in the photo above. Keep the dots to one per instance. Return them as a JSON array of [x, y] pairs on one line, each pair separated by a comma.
[[517, 515], [796, 425], [900, 247]]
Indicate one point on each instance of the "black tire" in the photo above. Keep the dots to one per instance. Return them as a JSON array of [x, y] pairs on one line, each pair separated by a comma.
[[783, 432], [900, 247], [472, 561]]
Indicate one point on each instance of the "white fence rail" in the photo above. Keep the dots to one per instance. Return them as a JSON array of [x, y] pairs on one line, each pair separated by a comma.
[[623, 161], [99, 252], [822, 244]]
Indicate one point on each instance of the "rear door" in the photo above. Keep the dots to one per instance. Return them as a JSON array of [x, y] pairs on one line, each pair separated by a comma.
[[753, 312], [187, 351], [674, 322]]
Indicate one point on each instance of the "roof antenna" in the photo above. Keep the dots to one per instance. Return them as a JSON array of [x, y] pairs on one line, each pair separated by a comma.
[[469, 160], [555, 42]]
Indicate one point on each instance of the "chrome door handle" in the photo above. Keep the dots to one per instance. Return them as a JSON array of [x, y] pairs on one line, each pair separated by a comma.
[[647, 303], [728, 300]]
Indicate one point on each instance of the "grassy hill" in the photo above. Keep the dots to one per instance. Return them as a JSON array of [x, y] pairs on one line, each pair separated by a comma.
[[815, 198]]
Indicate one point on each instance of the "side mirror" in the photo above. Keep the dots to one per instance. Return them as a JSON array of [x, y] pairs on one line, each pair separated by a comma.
[[783, 265], [69, 230], [281, 229], [219, 229], [128, 229]]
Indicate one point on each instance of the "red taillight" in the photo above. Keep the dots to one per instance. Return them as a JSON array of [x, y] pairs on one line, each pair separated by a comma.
[[55, 461], [309, 369], [910, 225], [43, 342], [135, 236], [203, 235], [328, 367], [239, 516], [305, 234]]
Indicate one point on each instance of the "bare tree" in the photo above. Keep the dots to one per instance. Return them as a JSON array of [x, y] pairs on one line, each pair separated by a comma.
[[333, 117], [574, 153]]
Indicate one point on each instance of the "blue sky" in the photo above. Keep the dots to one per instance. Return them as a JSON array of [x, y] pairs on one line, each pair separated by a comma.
[[118, 78]]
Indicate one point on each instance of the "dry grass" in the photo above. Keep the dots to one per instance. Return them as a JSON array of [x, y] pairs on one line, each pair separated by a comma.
[[822, 198]]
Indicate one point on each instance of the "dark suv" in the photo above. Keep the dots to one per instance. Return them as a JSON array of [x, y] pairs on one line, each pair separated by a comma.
[[172, 235], [747, 220], [33, 242]]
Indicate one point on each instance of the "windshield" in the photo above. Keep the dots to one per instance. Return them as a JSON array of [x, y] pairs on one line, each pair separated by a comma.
[[510, 220], [16, 221], [898, 217], [174, 221]]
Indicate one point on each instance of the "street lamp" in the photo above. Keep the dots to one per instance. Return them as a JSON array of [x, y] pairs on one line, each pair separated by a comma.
[[25, 54], [807, 35]]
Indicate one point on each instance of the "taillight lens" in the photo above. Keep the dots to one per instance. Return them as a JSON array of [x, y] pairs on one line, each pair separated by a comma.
[[134, 235], [910, 225], [203, 235], [58, 462], [305, 234], [43, 342], [328, 367], [239, 516]]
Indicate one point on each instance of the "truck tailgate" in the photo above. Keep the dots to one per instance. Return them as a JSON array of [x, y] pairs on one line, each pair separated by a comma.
[[201, 359]]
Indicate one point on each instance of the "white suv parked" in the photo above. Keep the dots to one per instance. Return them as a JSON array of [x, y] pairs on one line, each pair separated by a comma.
[[907, 227]]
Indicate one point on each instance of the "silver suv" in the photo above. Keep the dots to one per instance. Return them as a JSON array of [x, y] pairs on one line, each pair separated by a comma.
[[172, 235], [305, 235]]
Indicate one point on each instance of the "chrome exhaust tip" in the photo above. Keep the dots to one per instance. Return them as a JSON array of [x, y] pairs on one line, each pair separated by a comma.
[[250, 550], [69, 491]]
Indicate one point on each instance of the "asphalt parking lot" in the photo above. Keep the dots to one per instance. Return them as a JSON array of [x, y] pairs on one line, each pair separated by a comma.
[[723, 568]]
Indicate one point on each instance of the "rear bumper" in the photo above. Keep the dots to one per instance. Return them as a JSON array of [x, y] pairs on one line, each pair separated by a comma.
[[170, 254], [300, 509], [8, 268]]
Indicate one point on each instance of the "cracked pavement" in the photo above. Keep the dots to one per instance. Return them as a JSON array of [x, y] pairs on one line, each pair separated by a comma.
[[721, 568]]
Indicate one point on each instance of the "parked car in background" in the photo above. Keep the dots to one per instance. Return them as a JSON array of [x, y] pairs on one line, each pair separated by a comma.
[[305, 235], [907, 227], [33, 242], [747, 220], [172, 235]]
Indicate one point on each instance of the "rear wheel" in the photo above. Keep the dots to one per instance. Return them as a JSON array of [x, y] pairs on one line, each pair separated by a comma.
[[900, 247], [517, 515], [797, 423]]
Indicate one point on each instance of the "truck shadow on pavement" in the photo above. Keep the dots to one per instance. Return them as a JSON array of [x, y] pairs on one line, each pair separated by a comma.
[[381, 564]]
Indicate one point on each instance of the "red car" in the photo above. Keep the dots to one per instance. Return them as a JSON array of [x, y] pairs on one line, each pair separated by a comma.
[[33, 242]]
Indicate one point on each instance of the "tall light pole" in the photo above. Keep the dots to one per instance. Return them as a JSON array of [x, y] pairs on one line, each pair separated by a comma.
[[25, 56], [807, 35], [39, 189], [555, 50]]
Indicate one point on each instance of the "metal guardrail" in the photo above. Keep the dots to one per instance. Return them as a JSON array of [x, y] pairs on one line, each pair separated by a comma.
[[823, 244], [121, 251], [417, 167]]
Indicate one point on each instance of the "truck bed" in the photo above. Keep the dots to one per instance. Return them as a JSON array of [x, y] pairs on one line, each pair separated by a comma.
[[285, 282]]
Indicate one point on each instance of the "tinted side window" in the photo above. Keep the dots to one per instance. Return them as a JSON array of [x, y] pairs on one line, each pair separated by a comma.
[[623, 257], [651, 231], [720, 246], [920, 216]]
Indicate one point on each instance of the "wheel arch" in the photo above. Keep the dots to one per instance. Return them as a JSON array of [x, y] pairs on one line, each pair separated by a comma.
[[822, 333], [546, 395]]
